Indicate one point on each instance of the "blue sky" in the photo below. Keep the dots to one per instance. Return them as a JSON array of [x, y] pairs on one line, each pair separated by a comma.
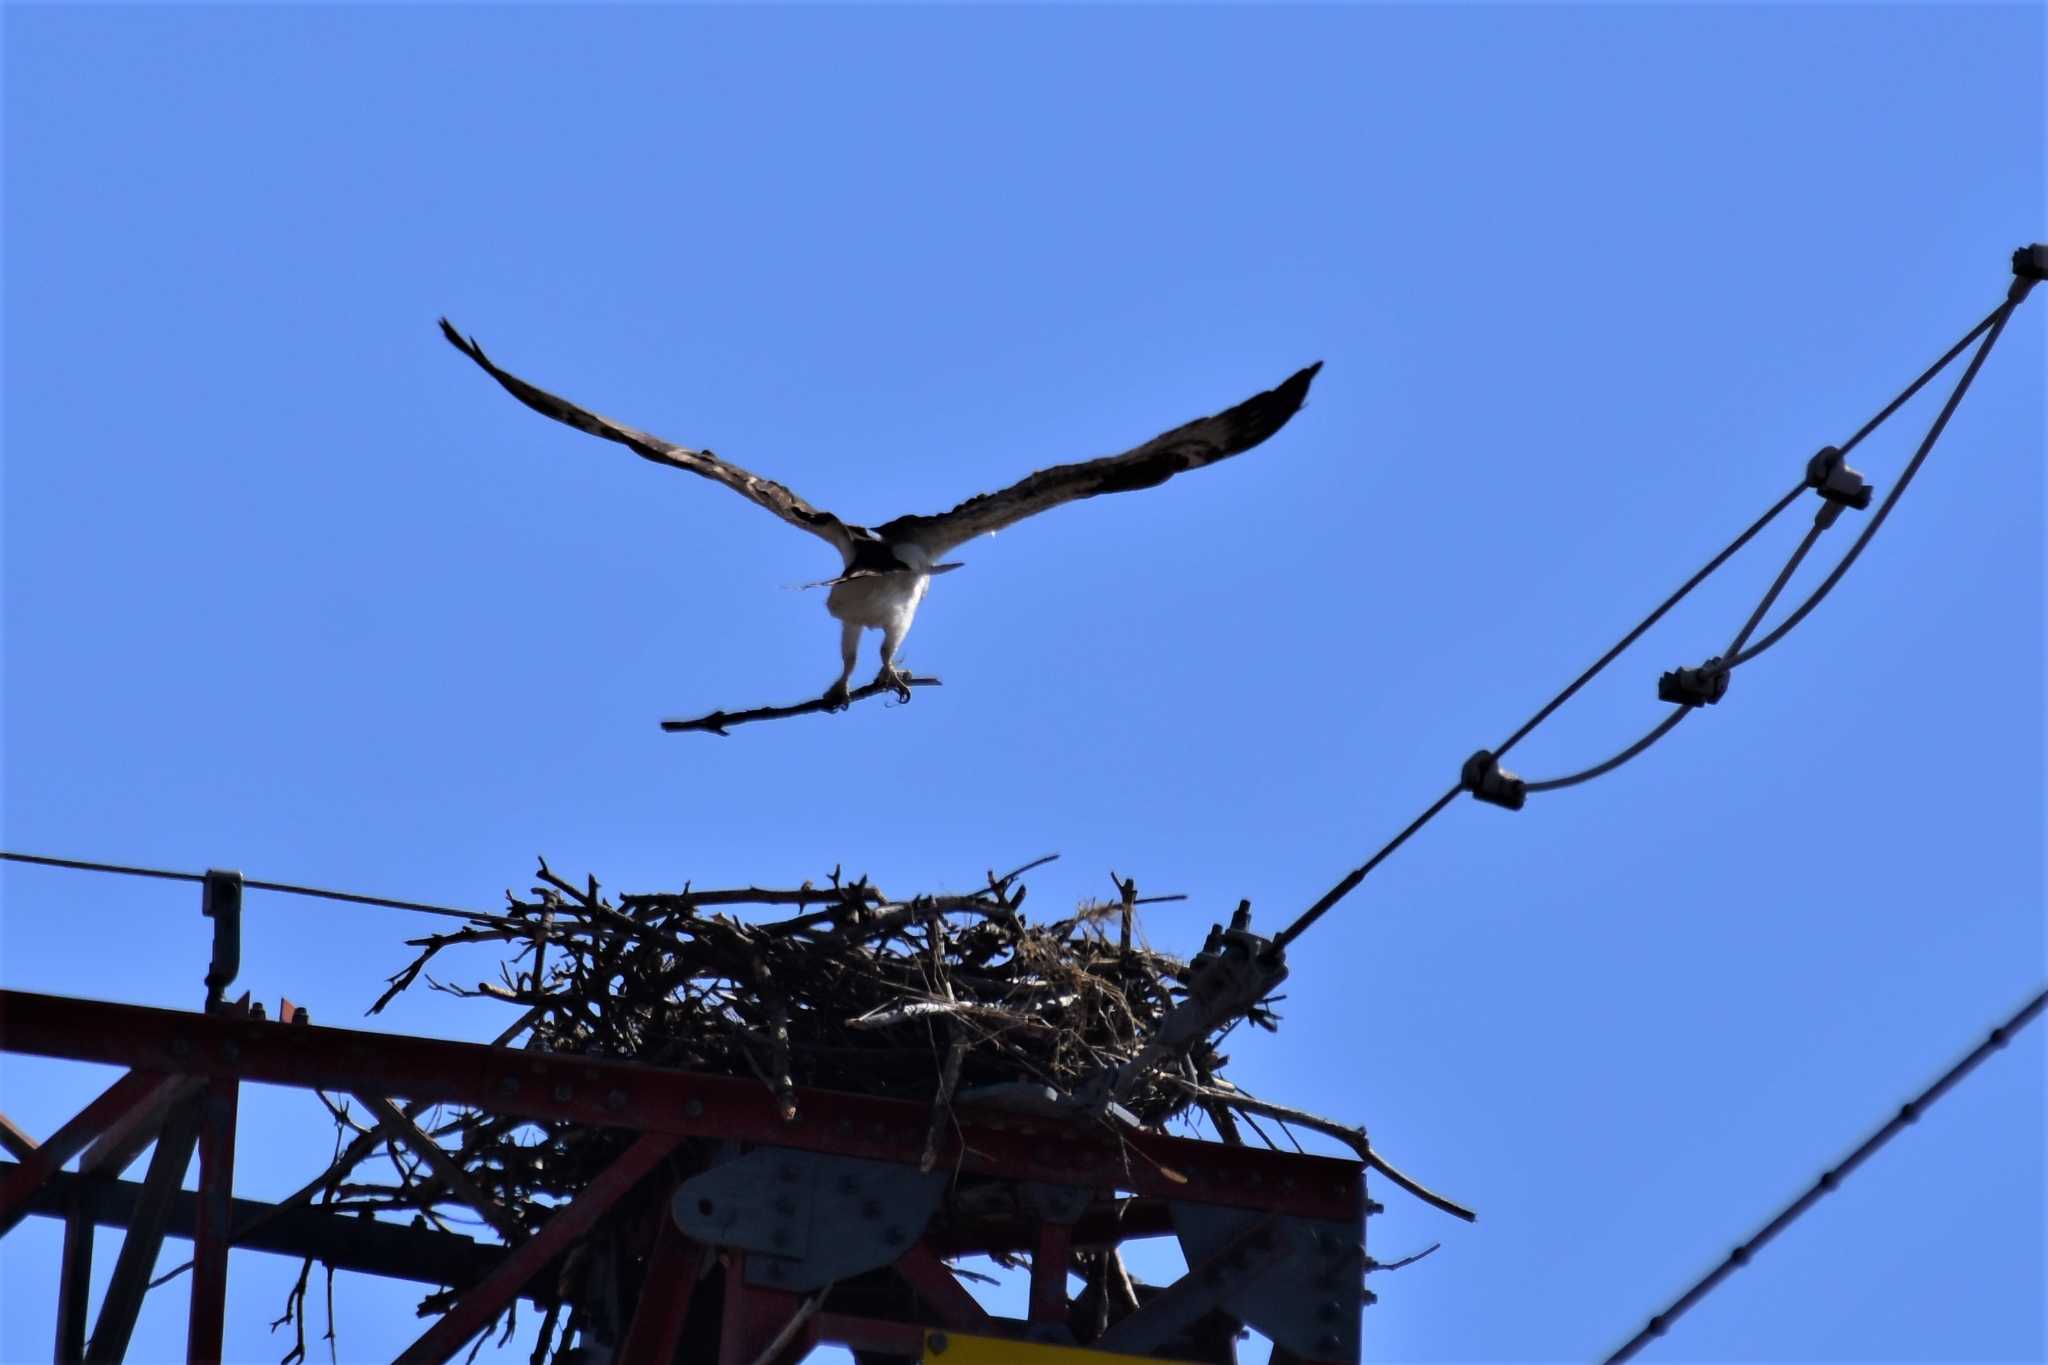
[[290, 587]]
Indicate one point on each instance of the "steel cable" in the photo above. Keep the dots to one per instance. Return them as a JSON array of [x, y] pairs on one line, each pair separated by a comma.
[[1884, 510], [1993, 322], [1832, 1178]]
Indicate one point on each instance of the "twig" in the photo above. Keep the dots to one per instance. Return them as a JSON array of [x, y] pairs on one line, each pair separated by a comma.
[[942, 1102], [1371, 1265], [1353, 1138], [889, 1015], [773, 1351], [717, 721]]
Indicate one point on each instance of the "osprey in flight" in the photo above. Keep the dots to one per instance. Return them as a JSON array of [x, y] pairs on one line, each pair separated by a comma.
[[887, 568]]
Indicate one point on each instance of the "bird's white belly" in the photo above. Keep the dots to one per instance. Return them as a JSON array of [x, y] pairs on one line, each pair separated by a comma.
[[878, 601]]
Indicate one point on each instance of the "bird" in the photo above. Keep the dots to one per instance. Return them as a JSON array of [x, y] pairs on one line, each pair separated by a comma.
[[886, 569]]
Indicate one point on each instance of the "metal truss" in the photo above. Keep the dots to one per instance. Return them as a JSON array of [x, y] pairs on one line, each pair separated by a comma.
[[759, 1236]]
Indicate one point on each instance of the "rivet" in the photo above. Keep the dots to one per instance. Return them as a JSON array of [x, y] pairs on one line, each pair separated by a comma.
[[1328, 1343], [936, 1343], [562, 1093], [509, 1085], [786, 1173], [181, 1047], [693, 1109], [786, 1206], [615, 1101], [231, 1050]]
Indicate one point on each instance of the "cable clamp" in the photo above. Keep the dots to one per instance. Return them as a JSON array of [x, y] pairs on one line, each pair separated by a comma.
[[1828, 475], [1489, 782], [1702, 686], [2029, 268]]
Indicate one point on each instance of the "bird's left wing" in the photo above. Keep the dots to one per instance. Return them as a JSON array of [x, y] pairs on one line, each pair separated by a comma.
[[1201, 442], [762, 492]]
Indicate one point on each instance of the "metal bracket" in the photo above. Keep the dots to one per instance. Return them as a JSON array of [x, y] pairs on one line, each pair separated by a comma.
[[1483, 776], [1829, 476], [809, 1218], [1235, 970], [220, 900], [1307, 1293], [1702, 686]]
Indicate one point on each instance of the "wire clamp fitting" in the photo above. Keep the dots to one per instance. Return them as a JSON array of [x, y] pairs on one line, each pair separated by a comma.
[[1489, 782], [1828, 475], [1702, 686]]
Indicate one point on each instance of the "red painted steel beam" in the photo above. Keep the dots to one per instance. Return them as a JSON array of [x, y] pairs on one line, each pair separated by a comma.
[[880, 1335], [145, 1238], [474, 1311], [114, 1103], [74, 1286], [1049, 1261], [369, 1246], [19, 1145], [673, 1270], [934, 1282], [113, 1151], [752, 1316], [601, 1092], [207, 1322]]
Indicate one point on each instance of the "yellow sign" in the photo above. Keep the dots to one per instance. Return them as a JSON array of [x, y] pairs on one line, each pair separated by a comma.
[[951, 1348]]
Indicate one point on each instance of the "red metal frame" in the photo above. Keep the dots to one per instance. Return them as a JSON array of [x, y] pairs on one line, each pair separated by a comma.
[[218, 1109], [475, 1309], [193, 1064], [117, 1102], [673, 1269]]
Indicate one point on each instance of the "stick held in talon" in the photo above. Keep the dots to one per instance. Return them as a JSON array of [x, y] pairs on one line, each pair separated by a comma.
[[717, 721]]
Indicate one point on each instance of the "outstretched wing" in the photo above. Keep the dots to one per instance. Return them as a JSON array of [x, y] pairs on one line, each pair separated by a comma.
[[764, 492], [1199, 443]]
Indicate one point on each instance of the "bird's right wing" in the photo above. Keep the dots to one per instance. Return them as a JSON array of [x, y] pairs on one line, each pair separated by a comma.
[[763, 492], [1201, 442]]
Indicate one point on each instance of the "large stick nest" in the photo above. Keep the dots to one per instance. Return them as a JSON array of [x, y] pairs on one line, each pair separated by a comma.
[[917, 999]]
